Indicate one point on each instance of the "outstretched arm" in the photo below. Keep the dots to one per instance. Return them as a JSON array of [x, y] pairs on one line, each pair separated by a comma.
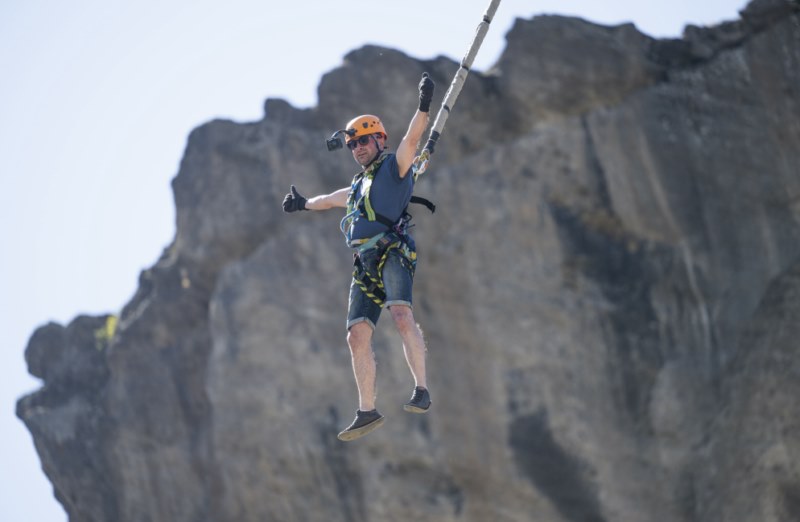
[[408, 146], [294, 201], [324, 202]]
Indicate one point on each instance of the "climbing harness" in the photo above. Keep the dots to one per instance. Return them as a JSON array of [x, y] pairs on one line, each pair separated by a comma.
[[371, 281], [359, 204], [362, 183], [394, 238], [420, 164]]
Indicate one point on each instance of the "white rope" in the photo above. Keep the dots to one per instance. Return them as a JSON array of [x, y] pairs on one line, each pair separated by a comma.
[[421, 161]]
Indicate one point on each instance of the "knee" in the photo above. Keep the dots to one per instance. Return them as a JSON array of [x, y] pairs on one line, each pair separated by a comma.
[[403, 317], [358, 337]]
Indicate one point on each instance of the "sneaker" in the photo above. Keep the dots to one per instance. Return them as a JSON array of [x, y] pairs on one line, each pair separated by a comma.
[[365, 422], [420, 402]]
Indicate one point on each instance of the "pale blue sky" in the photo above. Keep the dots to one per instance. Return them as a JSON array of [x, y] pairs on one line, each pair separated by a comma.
[[97, 99]]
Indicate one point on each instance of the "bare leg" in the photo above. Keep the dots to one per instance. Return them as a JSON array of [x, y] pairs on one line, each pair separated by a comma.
[[359, 339], [413, 342]]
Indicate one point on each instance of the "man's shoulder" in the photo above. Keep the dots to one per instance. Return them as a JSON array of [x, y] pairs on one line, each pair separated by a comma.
[[390, 162]]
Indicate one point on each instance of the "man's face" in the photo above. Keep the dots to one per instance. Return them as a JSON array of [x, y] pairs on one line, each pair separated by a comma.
[[364, 148]]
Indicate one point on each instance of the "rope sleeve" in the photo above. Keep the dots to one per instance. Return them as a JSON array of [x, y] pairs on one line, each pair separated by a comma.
[[458, 80]]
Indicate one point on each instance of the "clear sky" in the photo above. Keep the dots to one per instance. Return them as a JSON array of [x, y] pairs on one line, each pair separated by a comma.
[[97, 98]]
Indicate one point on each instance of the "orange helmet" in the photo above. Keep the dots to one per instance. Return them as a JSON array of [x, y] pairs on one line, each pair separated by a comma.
[[364, 125]]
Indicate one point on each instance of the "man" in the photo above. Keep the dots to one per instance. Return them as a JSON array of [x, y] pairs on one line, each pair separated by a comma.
[[375, 225]]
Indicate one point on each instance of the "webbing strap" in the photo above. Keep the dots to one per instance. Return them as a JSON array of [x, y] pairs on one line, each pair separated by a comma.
[[380, 218], [372, 283], [422, 201], [366, 243]]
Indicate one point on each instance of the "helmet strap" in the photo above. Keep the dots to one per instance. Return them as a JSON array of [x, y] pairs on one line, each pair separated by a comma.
[[379, 149]]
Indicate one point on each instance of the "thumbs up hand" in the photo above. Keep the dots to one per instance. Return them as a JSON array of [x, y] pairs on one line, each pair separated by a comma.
[[294, 201]]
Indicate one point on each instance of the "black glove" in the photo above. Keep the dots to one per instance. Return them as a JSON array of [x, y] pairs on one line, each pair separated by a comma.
[[426, 86], [294, 201]]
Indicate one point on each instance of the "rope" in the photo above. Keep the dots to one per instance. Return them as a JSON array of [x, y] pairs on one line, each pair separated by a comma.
[[421, 162]]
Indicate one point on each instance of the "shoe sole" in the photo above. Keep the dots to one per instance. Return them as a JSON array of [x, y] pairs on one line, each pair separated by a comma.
[[415, 409], [349, 435]]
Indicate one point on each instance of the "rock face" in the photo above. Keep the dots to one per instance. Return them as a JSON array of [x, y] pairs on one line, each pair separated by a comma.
[[609, 290]]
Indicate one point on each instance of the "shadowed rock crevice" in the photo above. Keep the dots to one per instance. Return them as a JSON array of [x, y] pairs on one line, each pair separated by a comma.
[[561, 476], [598, 247]]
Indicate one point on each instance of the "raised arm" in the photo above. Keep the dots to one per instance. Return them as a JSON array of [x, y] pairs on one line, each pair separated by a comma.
[[407, 149]]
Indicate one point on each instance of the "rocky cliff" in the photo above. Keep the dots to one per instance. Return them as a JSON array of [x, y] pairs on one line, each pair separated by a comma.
[[609, 289]]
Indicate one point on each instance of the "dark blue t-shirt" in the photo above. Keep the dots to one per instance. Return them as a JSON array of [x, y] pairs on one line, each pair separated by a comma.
[[389, 196]]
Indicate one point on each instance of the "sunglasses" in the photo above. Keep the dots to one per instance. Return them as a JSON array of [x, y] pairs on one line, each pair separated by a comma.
[[363, 140]]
